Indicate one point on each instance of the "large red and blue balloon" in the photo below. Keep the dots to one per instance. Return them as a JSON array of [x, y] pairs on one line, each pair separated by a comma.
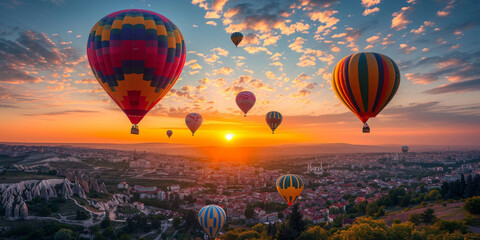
[[137, 56]]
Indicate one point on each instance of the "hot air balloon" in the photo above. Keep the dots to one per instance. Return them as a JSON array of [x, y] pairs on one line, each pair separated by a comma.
[[366, 82], [289, 186], [245, 101], [236, 38], [273, 119], [366, 128], [169, 133], [405, 149], [193, 121], [136, 56], [212, 218]]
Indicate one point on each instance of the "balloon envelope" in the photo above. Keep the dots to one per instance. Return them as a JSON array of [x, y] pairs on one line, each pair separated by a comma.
[[236, 38], [273, 120], [193, 121], [289, 186], [404, 149], [169, 133], [212, 218], [245, 101], [366, 82], [136, 56]]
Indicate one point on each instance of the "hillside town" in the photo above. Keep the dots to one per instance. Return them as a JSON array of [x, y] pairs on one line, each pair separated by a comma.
[[118, 184]]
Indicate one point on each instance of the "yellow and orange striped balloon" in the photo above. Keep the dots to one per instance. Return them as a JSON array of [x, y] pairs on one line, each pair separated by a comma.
[[366, 82]]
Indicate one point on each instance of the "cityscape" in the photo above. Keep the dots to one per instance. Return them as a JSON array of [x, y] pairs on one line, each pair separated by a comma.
[[120, 185]]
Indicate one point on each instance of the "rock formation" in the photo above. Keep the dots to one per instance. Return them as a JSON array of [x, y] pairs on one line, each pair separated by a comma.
[[14, 197]]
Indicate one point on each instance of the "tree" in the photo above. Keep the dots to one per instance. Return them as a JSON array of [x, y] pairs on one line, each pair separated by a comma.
[[472, 205], [415, 218], [372, 209], [176, 222], [428, 216], [82, 215], [106, 222], [249, 211], [314, 233], [285, 232], [462, 185], [63, 234], [295, 220], [470, 188], [248, 235], [260, 228]]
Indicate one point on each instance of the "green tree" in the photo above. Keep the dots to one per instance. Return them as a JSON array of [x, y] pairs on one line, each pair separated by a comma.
[[260, 228], [249, 211], [372, 209], [63, 234], [314, 233], [472, 205], [415, 219], [176, 222], [295, 220], [248, 235], [428, 216], [106, 222]]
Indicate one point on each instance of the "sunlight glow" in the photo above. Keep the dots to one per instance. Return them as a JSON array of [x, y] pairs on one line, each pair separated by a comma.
[[229, 136]]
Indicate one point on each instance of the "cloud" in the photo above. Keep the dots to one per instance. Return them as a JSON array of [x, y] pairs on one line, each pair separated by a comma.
[[406, 49], [212, 15], [213, 23], [297, 45], [220, 51], [223, 71], [457, 87], [369, 11], [253, 50], [400, 20], [301, 93], [369, 3], [446, 10], [59, 113], [373, 39], [324, 17], [31, 53]]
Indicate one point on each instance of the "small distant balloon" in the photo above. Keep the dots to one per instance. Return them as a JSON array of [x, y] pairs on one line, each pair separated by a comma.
[[169, 133], [245, 101], [289, 186], [236, 38], [405, 149], [193, 121], [366, 82], [273, 119], [212, 218]]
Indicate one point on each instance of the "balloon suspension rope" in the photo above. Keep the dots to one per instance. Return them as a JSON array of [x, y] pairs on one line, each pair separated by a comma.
[[244, 115]]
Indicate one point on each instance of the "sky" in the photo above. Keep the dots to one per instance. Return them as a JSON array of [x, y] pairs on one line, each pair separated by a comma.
[[49, 94]]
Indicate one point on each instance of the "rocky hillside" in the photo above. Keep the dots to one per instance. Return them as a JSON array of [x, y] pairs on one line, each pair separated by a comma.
[[14, 196]]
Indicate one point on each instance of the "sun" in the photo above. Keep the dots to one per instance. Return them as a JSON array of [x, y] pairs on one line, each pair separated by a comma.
[[229, 136]]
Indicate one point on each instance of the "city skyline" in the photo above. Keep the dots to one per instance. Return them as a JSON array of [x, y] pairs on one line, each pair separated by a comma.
[[48, 92]]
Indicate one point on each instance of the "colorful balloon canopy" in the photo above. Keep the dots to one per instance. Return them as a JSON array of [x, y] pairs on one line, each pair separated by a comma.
[[193, 121], [245, 101], [404, 149], [289, 186], [236, 38], [366, 82], [169, 133], [273, 119], [212, 218], [136, 56]]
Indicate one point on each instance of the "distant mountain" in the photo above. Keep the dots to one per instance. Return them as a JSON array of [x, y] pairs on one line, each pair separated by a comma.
[[277, 150]]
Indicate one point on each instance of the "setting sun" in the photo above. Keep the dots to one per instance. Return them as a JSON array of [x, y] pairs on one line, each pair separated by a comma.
[[229, 136]]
